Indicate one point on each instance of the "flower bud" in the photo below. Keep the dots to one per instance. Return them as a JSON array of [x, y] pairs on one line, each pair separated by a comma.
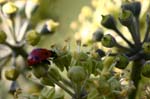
[[122, 61], [9, 8], [3, 37], [39, 70], [100, 52], [96, 65], [48, 93], [126, 18], [47, 27], [53, 71], [51, 25], [46, 81], [80, 56], [87, 64], [83, 60], [32, 37], [12, 74], [109, 22], [103, 86], [97, 35], [108, 41], [115, 84], [146, 47], [31, 7], [76, 74], [146, 69], [63, 60], [134, 7]]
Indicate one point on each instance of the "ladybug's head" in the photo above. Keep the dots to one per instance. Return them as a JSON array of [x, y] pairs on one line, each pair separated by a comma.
[[53, 54]]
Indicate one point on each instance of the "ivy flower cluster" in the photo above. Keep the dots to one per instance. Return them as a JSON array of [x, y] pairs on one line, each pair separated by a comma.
[[93, 73], [87, 72]]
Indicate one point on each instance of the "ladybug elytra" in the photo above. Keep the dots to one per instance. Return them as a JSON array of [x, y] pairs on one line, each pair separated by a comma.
[[40, 55]]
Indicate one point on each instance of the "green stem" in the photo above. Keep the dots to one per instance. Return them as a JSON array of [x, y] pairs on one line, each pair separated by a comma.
[[60, 85], [137, 29], [123, 47], [125, 39], [147, 33], [66, 82], [135, 77]]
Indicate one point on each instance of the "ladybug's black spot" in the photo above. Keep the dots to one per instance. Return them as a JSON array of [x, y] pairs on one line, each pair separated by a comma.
[[36, 58]]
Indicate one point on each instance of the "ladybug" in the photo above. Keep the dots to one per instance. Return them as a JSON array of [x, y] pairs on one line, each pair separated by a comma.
[[40, 55]]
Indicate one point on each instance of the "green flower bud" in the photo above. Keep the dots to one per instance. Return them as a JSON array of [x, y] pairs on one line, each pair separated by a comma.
[[108, 61], [97, 35], [109, 22], [63, 60], [9, 8], [39, 71], [146, 47], [108, 41], [126, 18], [31, 7], [115, 84], [134, 7], [46, 81], [146, 69], [32, 37], [103, 86], [122, 61], [83, 60], [48, 93], [3, 37], [96, 65], [12, 74], [53, 71], [77, 74], [80, 56], [87, 64]]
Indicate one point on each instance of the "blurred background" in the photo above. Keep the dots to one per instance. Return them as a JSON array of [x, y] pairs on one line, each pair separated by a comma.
[[78, 19], [62, 11]]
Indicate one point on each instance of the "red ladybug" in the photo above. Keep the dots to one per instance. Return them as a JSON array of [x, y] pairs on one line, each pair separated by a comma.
[[40, 55]]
